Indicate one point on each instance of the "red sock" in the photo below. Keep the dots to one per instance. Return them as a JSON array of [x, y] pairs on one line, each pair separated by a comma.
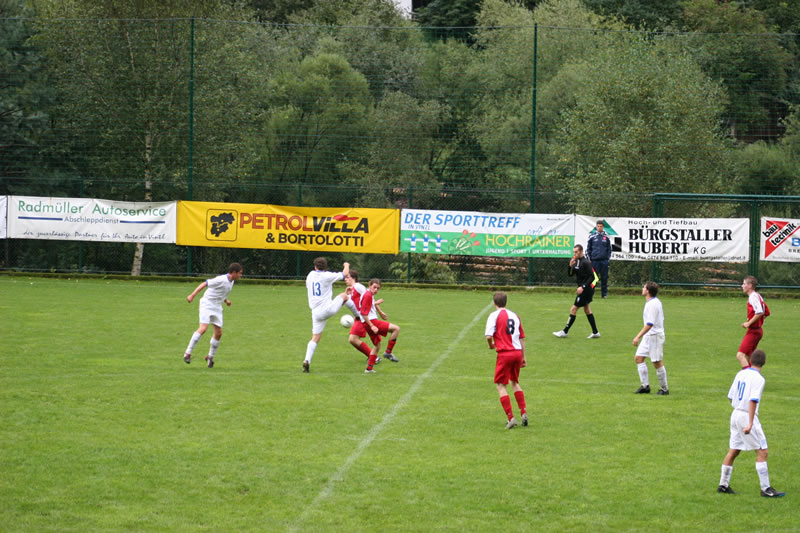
[[390, 346], [505, 401], [371, 360], [520, 397], [364, 348]]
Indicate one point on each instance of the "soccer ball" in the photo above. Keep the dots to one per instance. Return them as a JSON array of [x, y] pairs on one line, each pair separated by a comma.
[[346, 321]]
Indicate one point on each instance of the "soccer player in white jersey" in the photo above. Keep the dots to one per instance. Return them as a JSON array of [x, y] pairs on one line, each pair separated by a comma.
[[217, 291], [504, 333], [319, 284], [746, 432], [650, 341]]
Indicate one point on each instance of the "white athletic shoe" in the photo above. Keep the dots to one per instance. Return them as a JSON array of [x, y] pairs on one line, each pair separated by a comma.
[[511, 423], [560, 334], [594, 336]]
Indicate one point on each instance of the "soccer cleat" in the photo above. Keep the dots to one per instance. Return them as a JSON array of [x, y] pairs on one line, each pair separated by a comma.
[[210, 359], [560, 334], [594, 336], [525, 419], [391, 358], [306, 367], [725, 489], [369, 371], [377, 360], [511, 423], [769, 492], [643, 389], [663, 392], [187, 358]]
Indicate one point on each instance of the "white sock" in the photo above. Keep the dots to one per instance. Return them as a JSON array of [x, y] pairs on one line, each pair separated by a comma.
[[662, 377], [763, 474], [350, 305], [643, 376], [212, 350], [725, 477], [193, 342], [310, 350]]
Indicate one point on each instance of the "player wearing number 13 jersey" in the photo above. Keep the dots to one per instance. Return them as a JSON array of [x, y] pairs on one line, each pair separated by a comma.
[[504, 333]]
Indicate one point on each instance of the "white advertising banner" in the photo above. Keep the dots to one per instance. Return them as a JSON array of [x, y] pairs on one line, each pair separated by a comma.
[[672, 239], [486, 234], [3, 216], [780, 240], [88, 219]]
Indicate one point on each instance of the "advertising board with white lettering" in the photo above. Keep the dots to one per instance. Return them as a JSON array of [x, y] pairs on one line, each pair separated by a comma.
[[3, 213], [672, 239], [486, 234], [780, 240], [88, 219]]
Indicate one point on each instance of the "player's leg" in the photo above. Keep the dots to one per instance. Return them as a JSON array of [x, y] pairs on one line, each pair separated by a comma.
[[373, 354], [590, 317], [641, 367], [214, 345], [519, 395], [357, 333], [571, 320], [393, 330], [317, 326], [748, 344], [657, 358], [726, 471], [187, 354]]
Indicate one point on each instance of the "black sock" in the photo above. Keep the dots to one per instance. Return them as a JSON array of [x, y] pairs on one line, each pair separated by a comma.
[[591, 322], [569, 323]]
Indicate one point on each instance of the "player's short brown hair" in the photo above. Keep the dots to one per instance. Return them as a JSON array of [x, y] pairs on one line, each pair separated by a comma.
[[375, 281], [752, 281], [235, 267], [320, 263], [353, 274], [758, 358], [500, 299], [578, 246], [652, 288]]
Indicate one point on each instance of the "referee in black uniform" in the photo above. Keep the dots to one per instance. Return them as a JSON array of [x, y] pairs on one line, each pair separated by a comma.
[[581, 268]]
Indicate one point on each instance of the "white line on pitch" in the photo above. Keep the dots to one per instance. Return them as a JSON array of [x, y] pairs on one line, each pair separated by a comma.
[[375, 431]]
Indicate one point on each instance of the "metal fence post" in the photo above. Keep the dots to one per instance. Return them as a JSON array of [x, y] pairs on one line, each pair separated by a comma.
[[533, 138], [190, 162], [410, 204]]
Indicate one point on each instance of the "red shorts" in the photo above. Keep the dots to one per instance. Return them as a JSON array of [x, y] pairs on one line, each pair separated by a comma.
[[359, 329], [508, 365], [750, 341]]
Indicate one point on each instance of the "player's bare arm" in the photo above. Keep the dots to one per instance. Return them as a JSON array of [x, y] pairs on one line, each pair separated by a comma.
[[490, 340], [199, 288], [750, 322], [228, 302], [524, 359], [641, 334], [752, 412]]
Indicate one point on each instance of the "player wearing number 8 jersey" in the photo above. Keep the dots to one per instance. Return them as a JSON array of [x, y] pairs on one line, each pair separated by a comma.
[[504, 333]]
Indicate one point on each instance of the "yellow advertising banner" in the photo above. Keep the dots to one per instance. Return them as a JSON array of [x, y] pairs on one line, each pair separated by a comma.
[[282, 227]]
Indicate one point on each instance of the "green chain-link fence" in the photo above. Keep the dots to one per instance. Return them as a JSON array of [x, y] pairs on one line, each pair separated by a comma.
[[529, 118]]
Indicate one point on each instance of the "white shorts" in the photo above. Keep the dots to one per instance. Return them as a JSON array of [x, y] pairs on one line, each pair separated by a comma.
[[651, 346], [321, 314], [755, 440], [211, 315]]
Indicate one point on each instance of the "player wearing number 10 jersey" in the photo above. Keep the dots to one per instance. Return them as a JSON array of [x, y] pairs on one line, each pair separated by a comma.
[[504, 333]]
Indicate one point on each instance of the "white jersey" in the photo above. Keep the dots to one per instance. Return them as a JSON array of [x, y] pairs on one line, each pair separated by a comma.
[[747, 386], [653, 315], [320, 287], [218, 289]]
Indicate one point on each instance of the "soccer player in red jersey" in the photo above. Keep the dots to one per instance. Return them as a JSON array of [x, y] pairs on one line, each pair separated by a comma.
[[504, 333], [756, 311], [369, 308]]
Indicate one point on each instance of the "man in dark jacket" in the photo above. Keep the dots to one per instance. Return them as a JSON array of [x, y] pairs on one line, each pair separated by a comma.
[[599, 251]]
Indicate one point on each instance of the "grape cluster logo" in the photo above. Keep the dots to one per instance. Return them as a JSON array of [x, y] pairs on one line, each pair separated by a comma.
[[462, 244], [221, 225]]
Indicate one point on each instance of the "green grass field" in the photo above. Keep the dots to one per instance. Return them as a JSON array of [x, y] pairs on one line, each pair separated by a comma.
[[104, 428]]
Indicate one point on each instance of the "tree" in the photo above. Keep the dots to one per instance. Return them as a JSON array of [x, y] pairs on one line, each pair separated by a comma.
[[645, 120], [642, 14], [315, 111], [732, 44], [124, 90]]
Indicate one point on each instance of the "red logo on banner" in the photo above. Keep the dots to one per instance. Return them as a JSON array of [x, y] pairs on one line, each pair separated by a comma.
[[776, 233]]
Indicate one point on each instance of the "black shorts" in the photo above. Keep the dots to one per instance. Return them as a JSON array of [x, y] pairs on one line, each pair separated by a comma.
[[584, 298]]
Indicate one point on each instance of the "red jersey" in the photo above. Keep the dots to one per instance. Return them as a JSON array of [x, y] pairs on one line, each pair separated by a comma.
[[506, 328], [756, 305]]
